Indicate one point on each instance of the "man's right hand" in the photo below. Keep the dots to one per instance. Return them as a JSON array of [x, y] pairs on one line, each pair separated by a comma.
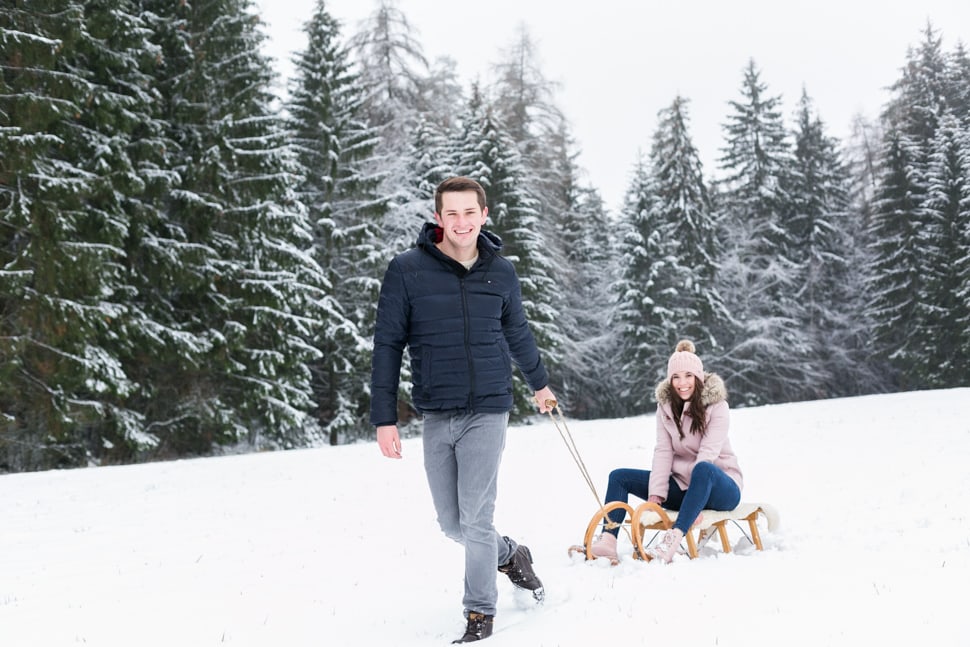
[[389, 441]]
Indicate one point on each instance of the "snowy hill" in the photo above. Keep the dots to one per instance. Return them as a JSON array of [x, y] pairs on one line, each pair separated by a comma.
[[339, 546]]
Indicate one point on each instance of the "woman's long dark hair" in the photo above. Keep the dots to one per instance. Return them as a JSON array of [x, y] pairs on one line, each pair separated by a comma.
[[698, 410]]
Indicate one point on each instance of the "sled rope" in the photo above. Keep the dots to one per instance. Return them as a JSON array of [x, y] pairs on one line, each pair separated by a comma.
[[559, 420]]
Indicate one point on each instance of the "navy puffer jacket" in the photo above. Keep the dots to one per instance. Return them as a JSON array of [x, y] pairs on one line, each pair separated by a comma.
[[464, 328]]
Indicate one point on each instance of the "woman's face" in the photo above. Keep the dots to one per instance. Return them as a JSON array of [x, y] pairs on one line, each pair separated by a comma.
[[683, 384]]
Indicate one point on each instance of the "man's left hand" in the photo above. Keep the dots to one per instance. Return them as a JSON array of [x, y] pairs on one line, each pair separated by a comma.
[[545, 399]]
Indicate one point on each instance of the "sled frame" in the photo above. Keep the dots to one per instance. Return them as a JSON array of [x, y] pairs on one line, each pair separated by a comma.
[[711, 519], [650, 516]]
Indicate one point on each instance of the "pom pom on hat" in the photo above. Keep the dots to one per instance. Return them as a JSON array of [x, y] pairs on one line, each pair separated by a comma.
[[684, 360]]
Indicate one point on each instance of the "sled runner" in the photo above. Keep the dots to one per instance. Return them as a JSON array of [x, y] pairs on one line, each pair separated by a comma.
[[597, 521], [651, 517]]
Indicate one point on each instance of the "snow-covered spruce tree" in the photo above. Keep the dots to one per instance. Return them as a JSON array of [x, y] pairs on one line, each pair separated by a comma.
[[831, 287], [248, 292], [636, 324], [962, 266], [769, 357], [584, 380], [901, 232], [688, 303], [339, 187], [485, 153], [941, 359], [894, 277], [77, 143], [958, 84], [920, 95]]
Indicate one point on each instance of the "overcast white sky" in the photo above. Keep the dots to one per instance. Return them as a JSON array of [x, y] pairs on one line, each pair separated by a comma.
[[620, 61]]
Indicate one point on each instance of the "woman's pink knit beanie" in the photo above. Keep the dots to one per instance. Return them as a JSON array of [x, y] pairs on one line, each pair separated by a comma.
[[684, 359]]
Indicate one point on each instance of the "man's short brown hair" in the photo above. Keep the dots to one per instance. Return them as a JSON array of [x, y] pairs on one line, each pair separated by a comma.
[[457, 184]]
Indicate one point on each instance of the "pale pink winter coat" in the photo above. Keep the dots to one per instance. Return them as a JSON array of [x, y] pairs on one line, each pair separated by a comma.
[[673, 455]]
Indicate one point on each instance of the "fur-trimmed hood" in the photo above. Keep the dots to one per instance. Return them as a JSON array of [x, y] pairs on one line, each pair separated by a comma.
[[713, 391]]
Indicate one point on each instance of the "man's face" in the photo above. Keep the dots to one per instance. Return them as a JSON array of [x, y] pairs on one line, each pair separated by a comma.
[[461, 219]]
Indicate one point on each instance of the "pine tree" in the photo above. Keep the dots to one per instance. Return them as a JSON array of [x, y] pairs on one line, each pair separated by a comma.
[[770, 354], [940, 359], [584, 380], [684, 216], [962, 266], [830, 287], [639, 294], [920, 95], [895, 279], [903, 227], [958, 84], [77, 140], [334, 146], [247, 291]]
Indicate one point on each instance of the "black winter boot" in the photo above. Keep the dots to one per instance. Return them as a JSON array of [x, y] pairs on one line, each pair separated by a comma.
[[519, 570], [479, 628]]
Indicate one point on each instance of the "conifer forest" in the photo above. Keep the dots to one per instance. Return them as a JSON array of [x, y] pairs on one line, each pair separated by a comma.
[[191, 263]]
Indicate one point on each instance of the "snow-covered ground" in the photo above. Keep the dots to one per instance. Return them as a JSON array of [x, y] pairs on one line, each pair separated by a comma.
[[339, 546]]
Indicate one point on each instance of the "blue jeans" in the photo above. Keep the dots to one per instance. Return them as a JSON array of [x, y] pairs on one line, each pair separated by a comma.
[[462, 454], [710, 489]]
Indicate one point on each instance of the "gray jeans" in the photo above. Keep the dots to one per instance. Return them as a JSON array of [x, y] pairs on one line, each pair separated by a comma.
[[462, 454]]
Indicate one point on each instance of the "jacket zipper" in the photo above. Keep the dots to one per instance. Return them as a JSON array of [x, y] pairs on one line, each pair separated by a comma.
[[468, 354]]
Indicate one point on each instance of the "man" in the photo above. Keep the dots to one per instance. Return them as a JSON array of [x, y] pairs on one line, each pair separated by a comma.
[[456, 304]]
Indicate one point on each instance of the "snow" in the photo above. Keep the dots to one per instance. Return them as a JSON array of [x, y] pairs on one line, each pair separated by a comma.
[[339, 546]]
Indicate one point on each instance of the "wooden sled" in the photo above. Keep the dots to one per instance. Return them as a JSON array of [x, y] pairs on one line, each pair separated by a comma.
[[651, 517]]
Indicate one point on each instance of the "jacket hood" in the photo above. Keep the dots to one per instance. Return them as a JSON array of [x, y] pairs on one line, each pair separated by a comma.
[[431, 233], [712, 392]]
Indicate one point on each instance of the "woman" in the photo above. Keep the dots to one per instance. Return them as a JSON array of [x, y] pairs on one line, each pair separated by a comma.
[[693, 468]]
